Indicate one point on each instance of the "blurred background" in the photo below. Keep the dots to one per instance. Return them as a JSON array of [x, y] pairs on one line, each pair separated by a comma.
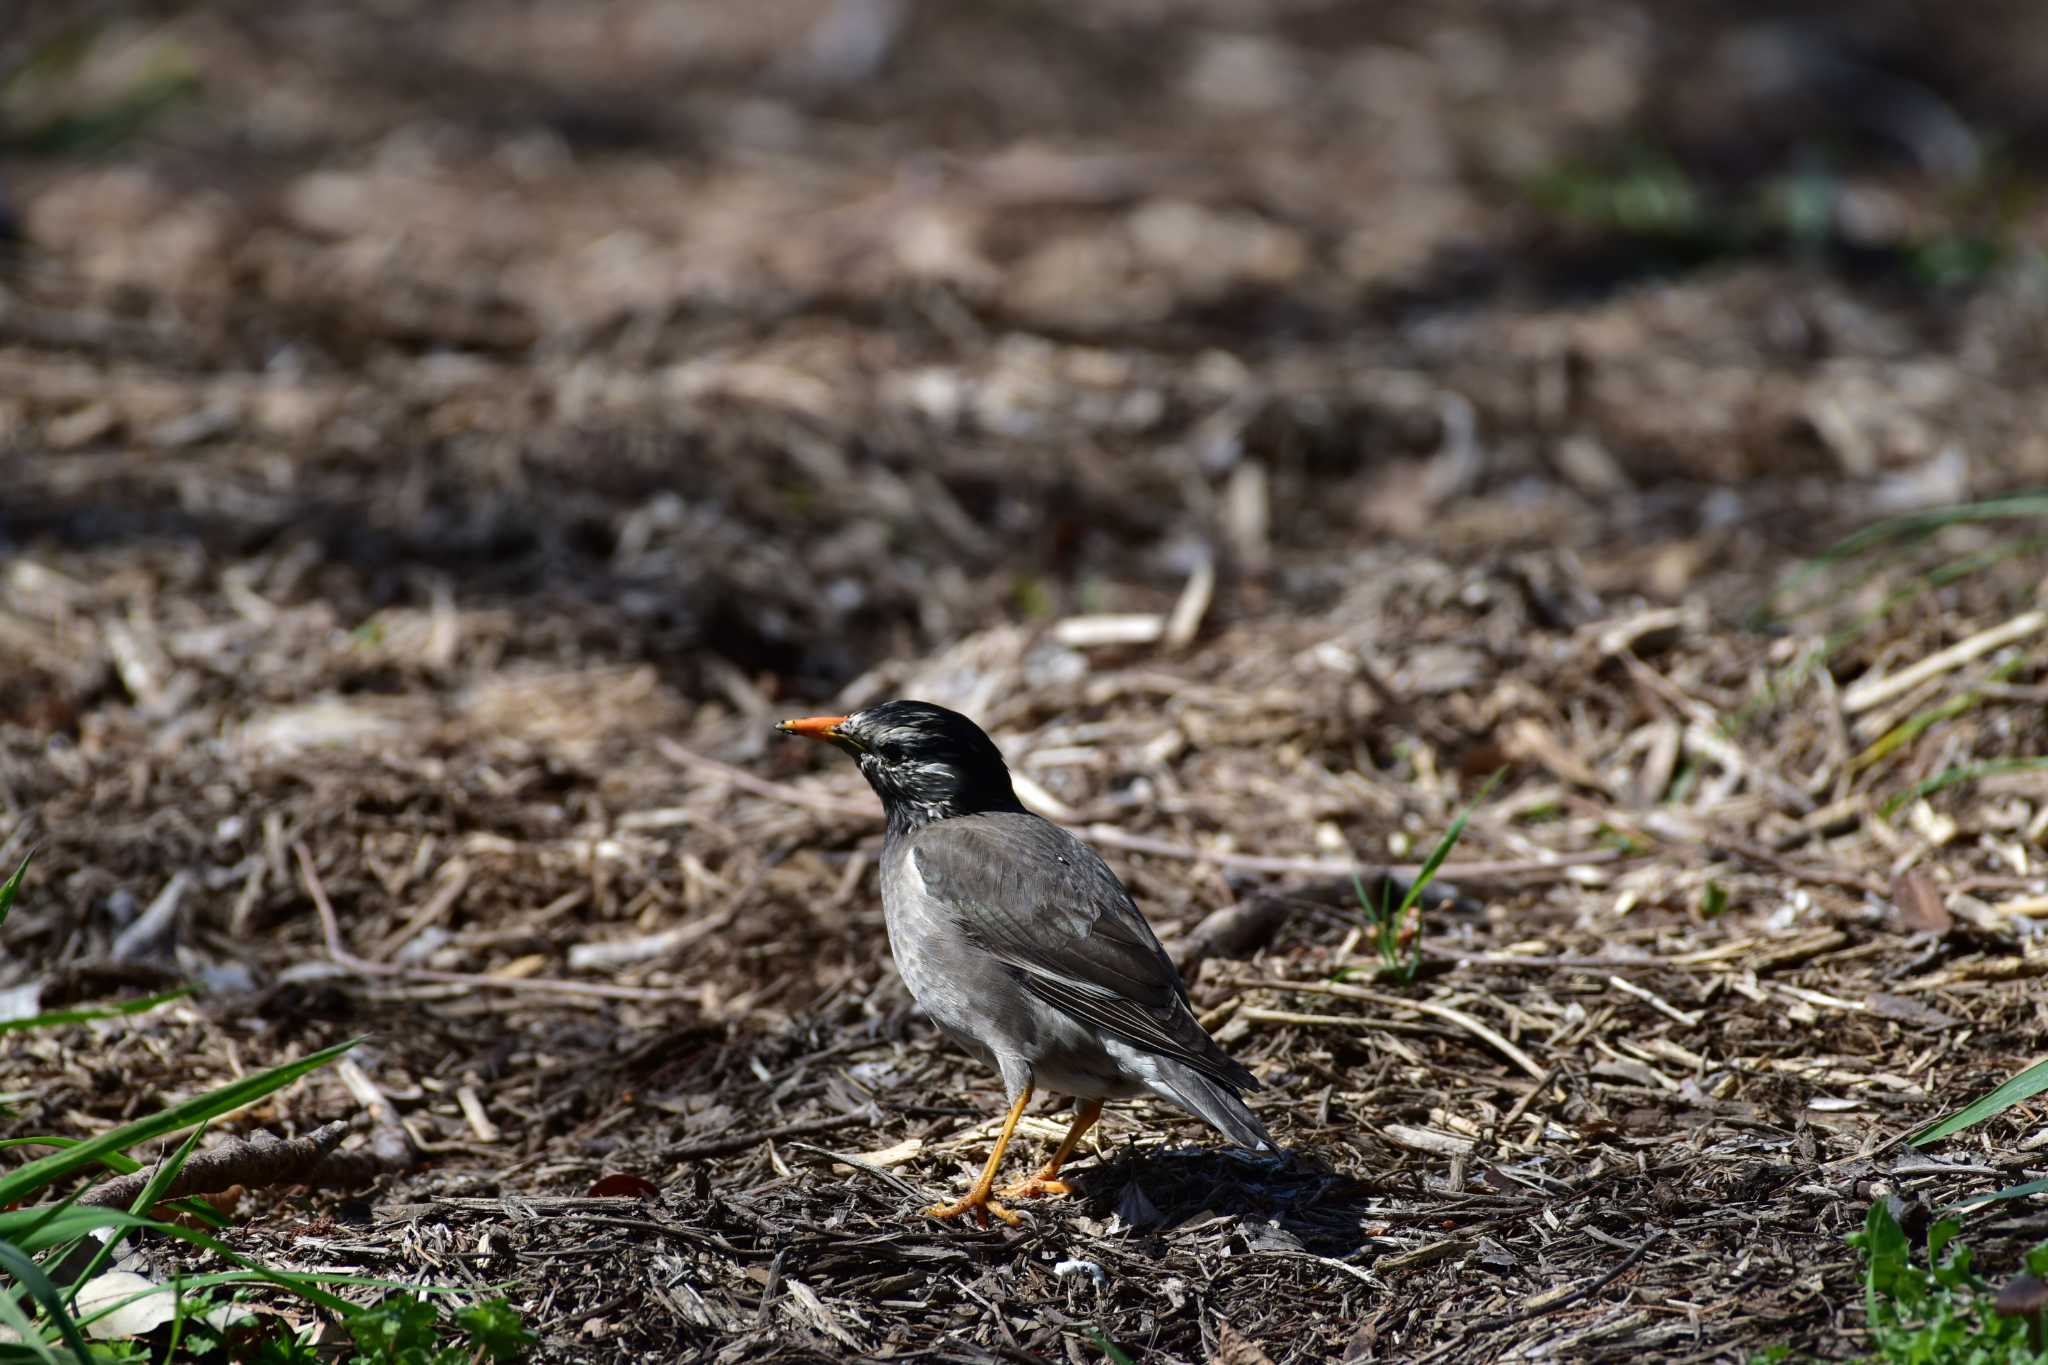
[[439, 437], [763, 342]]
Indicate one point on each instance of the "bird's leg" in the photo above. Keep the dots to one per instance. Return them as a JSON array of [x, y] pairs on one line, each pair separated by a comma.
[[977, 1199], [1043, 1182]]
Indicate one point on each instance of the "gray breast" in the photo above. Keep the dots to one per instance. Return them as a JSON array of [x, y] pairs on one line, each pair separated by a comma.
[[955, 983], [978, 1000]]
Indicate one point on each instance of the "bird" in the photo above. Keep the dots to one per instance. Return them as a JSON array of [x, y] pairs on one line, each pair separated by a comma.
[[1023, 946]]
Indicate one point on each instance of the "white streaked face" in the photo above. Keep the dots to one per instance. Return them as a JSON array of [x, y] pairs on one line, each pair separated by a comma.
[[925, 762], [904, 761]]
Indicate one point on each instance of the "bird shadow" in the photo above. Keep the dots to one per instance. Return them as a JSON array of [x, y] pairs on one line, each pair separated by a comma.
[[1279, 1201]]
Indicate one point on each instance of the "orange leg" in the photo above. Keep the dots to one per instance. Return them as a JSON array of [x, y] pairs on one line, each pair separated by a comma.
[[977, 1200], [1043, 1182]]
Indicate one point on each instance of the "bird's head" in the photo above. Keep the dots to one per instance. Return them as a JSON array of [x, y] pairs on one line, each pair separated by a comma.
[[925, 762]]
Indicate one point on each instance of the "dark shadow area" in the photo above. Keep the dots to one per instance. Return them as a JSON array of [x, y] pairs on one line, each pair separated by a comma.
[[1296, 1202]]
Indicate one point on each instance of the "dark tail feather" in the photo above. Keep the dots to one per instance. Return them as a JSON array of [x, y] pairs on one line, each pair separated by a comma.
[[1218, 1104]]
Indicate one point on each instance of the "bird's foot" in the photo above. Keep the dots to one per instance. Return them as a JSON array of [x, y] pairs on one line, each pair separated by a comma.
[[1034, 1187], [978, 1203]]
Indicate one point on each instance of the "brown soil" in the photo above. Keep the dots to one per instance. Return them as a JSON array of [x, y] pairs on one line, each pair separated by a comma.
[[439, 448]]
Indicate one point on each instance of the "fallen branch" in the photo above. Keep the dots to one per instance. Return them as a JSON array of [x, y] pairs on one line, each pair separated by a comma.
[[256, 1162]]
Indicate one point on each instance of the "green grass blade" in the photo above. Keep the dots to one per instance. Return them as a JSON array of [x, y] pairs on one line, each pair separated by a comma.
[[88, 1013], [1968, 772], [2009, 1192], [1444, 846], [113, 1161], [28, 1343], [2024, 1086], [7, 1143], [1388, 920], [69, 1224], [9, 887], [2019, 507], [1917, 724], [32, 1278], [177, 1317], [1115, 1353], [145, 1200], [19, 1185]]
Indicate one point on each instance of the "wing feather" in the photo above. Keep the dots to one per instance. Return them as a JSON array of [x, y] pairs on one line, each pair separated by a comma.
[[1044, 903]]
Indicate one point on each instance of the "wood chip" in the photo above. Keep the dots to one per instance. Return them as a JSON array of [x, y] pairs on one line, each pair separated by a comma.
[[1427, 1140], [1920, 903], [1871, 692]]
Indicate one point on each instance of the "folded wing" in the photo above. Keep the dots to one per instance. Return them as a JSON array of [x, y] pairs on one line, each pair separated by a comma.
[[1041, 901]]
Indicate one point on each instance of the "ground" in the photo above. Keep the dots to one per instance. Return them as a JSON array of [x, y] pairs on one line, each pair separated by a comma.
[[441, 440]]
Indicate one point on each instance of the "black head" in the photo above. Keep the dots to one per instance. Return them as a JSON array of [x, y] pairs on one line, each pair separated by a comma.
[[925, 762]]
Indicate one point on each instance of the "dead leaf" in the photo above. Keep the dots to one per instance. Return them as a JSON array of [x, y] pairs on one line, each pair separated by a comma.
[[1364, 1342], [1235, 1348], [1921, 907], [128, 1305], [1135, 1209]]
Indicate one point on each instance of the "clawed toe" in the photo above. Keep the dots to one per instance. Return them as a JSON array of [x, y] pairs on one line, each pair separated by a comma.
[[1035, 1187], [981, 1208]]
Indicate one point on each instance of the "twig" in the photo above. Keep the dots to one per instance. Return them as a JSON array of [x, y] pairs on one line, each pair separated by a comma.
[[1330, 1262], [1239, 930], [1689, 1018], [1428, 1254], [1569, 963], [390, 1141], [1463, 1020], [1521, 869], [1626, 1264], [454, 881], [1514, 1115], [1999, 692], [740, 1142], [1814, 876], [774, 791], [1192, 606], [886, 1176], [339, 954], [155, 930], [1259, 1015], [367, 1093], [1875, 691]]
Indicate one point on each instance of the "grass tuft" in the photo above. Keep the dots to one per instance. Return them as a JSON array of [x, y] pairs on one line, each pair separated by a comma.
[[45, 1240], [1397, 929]]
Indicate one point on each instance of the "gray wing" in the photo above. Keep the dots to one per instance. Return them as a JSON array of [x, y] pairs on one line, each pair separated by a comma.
[[1046, 905]]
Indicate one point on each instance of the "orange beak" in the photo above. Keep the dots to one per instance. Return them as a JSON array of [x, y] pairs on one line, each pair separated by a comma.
[[814, 727]]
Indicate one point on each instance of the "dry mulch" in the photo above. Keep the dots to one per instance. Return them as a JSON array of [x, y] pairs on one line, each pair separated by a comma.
[[1604, 1120], [413, 531]]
